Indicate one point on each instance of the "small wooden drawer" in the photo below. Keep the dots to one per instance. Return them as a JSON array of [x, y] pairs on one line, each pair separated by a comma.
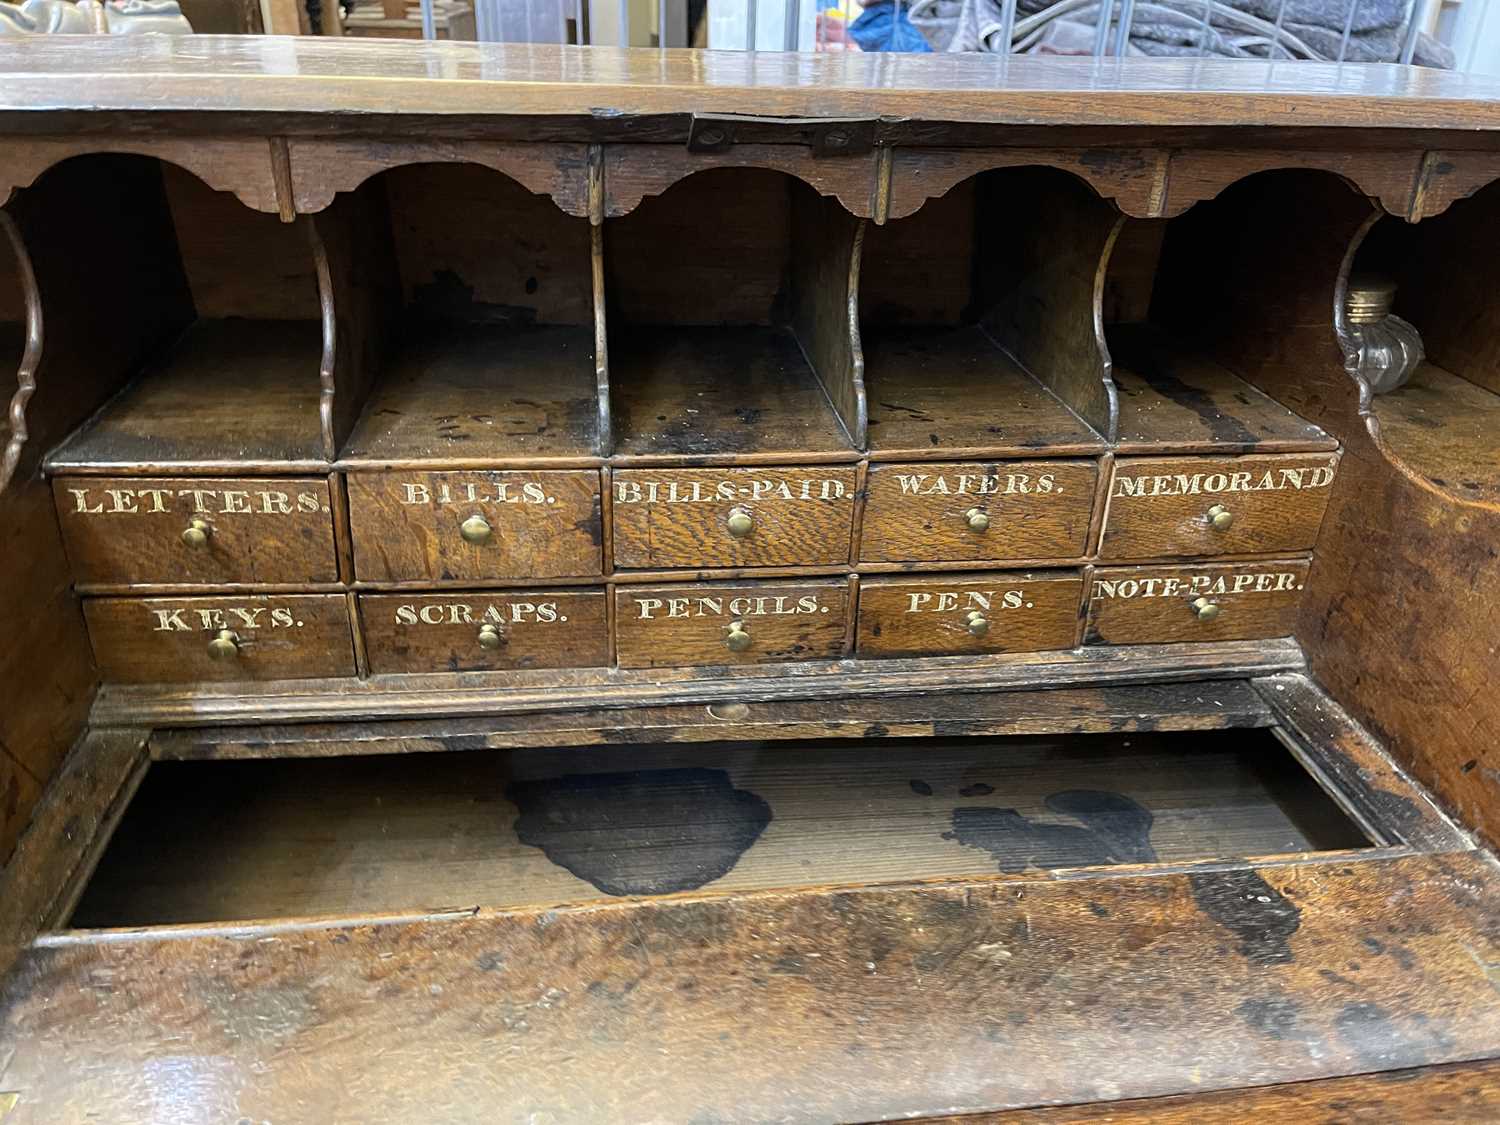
[[714, 623], [732, 517], [939, 616], [478, 631], [135, 530], [975, 512], [178, 640], [462, 526], [1165, 506], [1213, 602]]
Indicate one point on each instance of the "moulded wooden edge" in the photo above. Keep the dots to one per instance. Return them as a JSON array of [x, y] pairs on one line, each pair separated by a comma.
[[10, 457]]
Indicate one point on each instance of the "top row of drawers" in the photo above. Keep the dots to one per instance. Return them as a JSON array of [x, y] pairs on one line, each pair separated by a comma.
[[474, 526]]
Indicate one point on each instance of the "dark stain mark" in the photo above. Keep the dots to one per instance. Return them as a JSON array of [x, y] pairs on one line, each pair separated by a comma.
[[910, 411], [1468, 767], [1116, 831], [1380, 1041], [1374, 945], [1223, 427], [1336, 978], [647, 832], [1256, 912], [448, 299], [489, 963], [1276, 1016], [531, 286], [748, 415], [1399, 953], [876, 730], [1098, 910], [978, 789], [933, 439], [1442, 168], [920, 788]]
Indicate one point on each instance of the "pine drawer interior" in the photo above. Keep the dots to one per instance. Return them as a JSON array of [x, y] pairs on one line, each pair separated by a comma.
[[230, 841]]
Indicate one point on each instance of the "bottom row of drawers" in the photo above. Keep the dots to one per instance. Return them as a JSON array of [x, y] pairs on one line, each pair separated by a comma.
[[293, 636]]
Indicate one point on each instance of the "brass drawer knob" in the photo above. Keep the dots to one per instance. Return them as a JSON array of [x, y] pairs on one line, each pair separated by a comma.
[[196, 534], [489, 637], [741, 522], [737, 639], [977, 520], [1204, 609], [976, 623], [1220, 518], [224, 646], [475, 530]]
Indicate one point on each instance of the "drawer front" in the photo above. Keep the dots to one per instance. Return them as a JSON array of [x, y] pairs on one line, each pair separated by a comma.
[[710, 623], [1165, 506], [177, 530], [978, 512], [181, 640], [1172, 604], [937, 616], [439, 527], [480, 631], [732, 517]]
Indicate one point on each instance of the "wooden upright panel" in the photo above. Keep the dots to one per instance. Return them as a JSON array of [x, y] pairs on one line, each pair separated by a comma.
[[826, 243]]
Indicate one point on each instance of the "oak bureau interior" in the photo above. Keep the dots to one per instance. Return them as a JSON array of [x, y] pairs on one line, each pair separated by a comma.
[[584, 577]]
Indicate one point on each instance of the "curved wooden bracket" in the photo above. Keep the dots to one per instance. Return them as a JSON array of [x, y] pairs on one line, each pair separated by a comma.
[[632, 172], [1447, 177], [321, 169], [1134, 179], [30, 357], [242, 167], [1194, 175]]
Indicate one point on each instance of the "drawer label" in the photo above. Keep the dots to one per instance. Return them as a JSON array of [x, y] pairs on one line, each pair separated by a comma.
[[1171, 586], [946, 601], [486, 492], [462, 613], [978, 484], [1195, 484], [207, 501], [708, 492], [190, 619], [732, 606]]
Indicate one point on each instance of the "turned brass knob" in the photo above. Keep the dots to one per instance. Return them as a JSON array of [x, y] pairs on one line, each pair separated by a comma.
[[475, 530], [196, 534], [1220, 517], [737, 639], [1204, 609], [224, 646], [489, 637], [741, 523], [976, 623], [977, 520]]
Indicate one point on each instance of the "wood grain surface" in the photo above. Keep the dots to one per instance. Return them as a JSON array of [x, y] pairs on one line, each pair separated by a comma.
[[440, 632], [1160, 506], [405, 524], [662, 626], [533, 828], [768, 1003], [930, 616], [279, 637], [129, 530], [679, 517], [1154, 604], [1442, 428], [1036, 510]]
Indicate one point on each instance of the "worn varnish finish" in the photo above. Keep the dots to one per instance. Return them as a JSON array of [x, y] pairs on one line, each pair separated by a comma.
[[1162, 604], [772, 995], [934, 616]]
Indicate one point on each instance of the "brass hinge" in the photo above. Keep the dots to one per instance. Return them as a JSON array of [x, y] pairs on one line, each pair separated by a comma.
[[826, 136]]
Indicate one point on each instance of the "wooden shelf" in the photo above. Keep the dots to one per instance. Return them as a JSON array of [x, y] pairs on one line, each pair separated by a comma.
[[483, 392], [720, 395], [951, 392], [1443, 427], [1173, 400], [228, 394], [240, 840]]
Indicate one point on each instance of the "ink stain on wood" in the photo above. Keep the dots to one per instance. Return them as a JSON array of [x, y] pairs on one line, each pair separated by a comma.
[[1115, 829], [920, 787], [647, 832], [1223, 427], [1254, 911]]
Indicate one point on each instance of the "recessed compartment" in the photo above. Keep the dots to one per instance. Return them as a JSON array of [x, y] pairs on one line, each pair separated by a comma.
[[978, 330], [470, 303], [209, 309], [726, 623], [1444, 423], [729, 333], [472, 631], [346, 836]]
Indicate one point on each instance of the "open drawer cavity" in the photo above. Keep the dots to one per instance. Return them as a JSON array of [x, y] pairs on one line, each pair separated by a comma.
[[236, 840]]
